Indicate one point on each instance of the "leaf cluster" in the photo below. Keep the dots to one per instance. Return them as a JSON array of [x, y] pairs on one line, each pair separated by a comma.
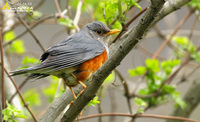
[[155, 74], [11, 113]]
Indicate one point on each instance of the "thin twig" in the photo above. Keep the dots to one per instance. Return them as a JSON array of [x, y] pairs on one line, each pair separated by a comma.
[[192, 29], [126, 89], [169, 79], [39, 4], [128, 23], [184, 78], [20, 87], [171, 36], [31, 27], [99, 105], [125, 12], [68, 8], [113, 103], [33, 35], [58, 89], [58, 8], [90, 11], [138, 116], [147, 52], [2, 71], [18, 91], [104, 14], [78, 14], [158, 32]]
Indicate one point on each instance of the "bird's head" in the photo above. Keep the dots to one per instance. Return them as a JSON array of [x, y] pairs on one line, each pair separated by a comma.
[[99, 31]]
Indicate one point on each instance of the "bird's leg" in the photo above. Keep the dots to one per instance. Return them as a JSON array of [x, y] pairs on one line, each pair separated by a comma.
[[83, 85], [71, 91]]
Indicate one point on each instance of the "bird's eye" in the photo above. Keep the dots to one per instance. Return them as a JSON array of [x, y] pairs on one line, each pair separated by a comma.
[[99, 31]]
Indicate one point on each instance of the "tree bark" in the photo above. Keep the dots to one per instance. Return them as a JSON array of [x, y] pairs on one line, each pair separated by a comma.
[[127, 42], [53, 111]]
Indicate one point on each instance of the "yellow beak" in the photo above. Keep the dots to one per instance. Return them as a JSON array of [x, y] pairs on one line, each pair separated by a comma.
[[112, 32]]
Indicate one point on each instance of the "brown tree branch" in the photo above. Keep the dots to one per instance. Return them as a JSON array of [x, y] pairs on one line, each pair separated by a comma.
[[128, 23], [20, 87], [139, 116], [126, 89], [58, 8], [172, 35], [18, 91], [2, 72], [58, 106], [126, 43]]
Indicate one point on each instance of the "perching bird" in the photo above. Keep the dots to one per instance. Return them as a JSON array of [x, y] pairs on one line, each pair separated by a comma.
[[76, 58]]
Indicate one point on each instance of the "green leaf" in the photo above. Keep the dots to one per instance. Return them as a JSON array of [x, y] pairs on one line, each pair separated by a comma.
[[196, 56], [194, 4], [140, 110], [9, 36], [50, 91], [140, 102], [169, 89], [133, 2], [32, 97], [28, 60], [110, 78], [35, 15], [143, 91], [10, 113], [94, 102], [117, 25], [168, 65], [137, 71], [153, 65], [17, 47], [179, 102], [184, 43], [65, 22], [54, 78]]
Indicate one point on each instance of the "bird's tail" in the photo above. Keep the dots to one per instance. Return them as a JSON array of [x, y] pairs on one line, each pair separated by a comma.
[[20, 72], [32, 74], [30, 70]]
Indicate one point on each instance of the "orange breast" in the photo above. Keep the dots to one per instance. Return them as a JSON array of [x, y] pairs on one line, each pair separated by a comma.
[[91, 66]]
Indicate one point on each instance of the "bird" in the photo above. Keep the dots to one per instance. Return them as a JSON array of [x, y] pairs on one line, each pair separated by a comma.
[[76, 58]]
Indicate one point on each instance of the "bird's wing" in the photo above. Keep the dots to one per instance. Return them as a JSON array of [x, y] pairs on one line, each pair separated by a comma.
[[66, 54]]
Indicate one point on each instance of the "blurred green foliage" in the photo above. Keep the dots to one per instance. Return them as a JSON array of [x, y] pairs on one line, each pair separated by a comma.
[[17, 47], [155, 74], [35, 15], [195, 4], [28, 61], [185, 48], [32, 97], [141, 105], [50, 91], [10, 113], [94, 102]]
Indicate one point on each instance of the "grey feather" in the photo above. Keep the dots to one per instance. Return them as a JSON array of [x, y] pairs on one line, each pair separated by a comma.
[[70, 52]]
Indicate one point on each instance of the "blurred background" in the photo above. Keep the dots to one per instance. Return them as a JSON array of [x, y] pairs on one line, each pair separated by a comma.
[[25, 51]]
